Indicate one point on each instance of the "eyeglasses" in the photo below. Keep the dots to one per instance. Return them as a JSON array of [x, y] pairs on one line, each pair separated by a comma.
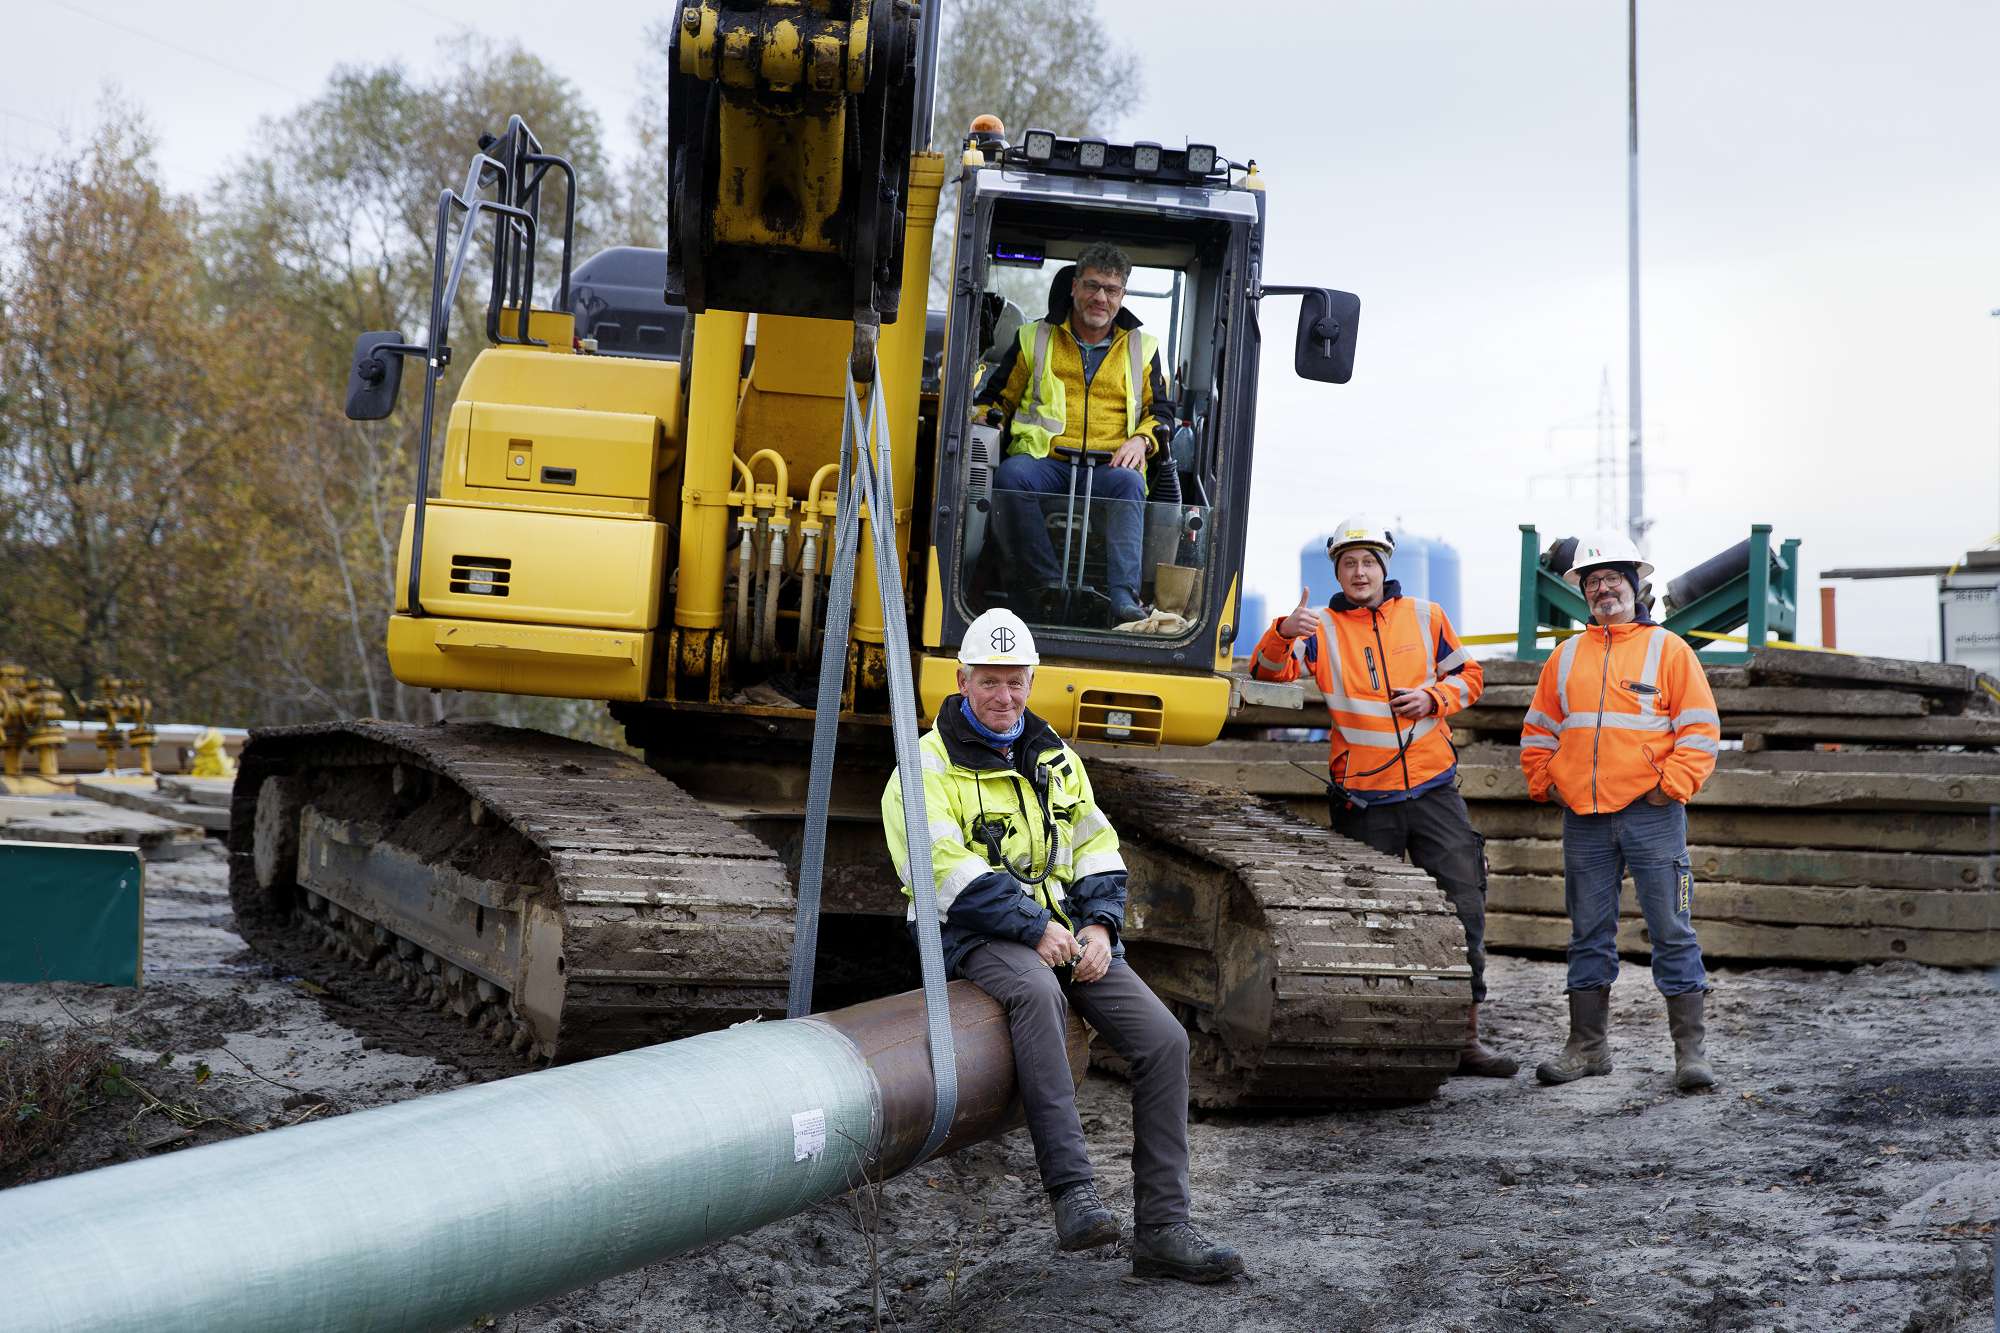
[[1092, 287], [1599, 582]]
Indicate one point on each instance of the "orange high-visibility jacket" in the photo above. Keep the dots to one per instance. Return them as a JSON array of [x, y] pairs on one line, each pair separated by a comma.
[[1360, 655], [1618, 710]]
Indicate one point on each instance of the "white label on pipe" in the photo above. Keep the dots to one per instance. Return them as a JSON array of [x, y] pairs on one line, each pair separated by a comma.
[[808, 1133]]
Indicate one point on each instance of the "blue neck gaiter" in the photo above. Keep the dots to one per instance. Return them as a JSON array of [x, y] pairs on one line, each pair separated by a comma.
[[998, 739]]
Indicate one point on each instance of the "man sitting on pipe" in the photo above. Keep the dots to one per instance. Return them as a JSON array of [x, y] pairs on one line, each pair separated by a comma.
[[1031, 889]]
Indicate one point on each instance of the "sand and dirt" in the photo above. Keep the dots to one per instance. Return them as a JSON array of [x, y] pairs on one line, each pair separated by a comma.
[[1846, 1175]]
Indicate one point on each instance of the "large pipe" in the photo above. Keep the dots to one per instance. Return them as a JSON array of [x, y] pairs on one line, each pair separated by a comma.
[[428, 1213]]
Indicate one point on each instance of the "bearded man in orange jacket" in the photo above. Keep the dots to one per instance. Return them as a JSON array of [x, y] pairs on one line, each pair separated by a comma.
[[1392, 670], [1622, 733]]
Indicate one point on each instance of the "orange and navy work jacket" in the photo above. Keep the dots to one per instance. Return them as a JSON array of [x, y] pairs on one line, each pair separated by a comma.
[[1619, 710], [1360, 656]]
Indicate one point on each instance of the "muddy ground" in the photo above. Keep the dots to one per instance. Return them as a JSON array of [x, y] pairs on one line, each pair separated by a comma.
[[1845, 1177]]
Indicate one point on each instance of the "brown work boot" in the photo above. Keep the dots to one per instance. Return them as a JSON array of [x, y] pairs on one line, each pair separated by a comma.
[[1586, 1054], [1178, 1250], [1477, 1058], [1692, 1072], [1082, 1220]]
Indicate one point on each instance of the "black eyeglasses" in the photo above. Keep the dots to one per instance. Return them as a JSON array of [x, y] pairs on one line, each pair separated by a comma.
[[1092, 287]]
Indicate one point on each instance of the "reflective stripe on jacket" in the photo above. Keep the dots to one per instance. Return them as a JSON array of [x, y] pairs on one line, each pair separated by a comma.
[[1360, 656], [967, 781], [1047, 373], [1620, 709]]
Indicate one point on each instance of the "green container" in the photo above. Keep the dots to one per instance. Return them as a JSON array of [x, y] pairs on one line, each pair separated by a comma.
[[70, 912]]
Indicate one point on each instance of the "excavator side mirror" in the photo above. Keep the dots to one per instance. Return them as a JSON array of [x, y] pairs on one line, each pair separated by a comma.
[[1328, 323], [375, 377]]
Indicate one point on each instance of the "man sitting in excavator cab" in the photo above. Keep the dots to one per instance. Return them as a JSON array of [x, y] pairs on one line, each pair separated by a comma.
[[1081, 385]]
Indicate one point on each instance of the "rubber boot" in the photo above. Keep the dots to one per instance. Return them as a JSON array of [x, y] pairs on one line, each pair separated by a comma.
[[1586, 1054], [1177, 1250], [1692, 1072], [1082, 1220], [1476, 1058]]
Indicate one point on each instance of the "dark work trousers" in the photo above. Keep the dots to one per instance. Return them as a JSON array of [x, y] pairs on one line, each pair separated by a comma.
[[1437, 833], [1125, 1013]]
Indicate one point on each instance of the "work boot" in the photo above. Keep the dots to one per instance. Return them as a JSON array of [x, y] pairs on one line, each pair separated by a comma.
[[1082, 1220], [1692, 1072], [1585, 1054], [1475, 1057], [1178, 1250]]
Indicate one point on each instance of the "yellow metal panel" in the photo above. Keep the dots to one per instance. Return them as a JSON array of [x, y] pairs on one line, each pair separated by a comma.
[[934, 594], [561, 453], [493, 497], [784, 180], [555, 328], [535, 567], [1225, 652], [562, 663], [592, 383], [806, 356], [1191, 708]]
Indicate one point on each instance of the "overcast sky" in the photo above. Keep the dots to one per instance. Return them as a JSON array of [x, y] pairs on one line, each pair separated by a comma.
[[1820, 218]]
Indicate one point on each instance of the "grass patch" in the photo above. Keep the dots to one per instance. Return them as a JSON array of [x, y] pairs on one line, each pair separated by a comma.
[[47, 1084]]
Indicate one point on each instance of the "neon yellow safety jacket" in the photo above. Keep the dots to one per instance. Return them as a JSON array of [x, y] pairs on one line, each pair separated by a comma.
[[992, 835], [1044, 375]]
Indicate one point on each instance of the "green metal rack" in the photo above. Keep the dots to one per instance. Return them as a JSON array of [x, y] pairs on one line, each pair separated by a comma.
[[1763, 602]]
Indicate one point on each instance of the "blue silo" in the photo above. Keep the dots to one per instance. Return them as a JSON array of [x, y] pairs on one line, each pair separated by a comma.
[[1445, 585], [1250, 625], [1425, 566]]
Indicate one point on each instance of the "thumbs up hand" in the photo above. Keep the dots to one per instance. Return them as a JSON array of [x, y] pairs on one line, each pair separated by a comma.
[[1300, 621]]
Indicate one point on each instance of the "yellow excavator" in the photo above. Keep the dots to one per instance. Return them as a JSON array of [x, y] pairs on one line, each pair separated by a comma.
[[639, 483]]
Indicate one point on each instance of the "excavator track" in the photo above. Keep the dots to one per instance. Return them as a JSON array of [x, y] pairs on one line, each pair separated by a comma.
[[561, 899], [1310, 969]]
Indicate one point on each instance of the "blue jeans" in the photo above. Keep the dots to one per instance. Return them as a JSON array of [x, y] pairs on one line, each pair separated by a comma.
[[1116, 510], [1651, 842]]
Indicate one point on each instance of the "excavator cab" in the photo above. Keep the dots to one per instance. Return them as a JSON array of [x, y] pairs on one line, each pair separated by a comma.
[[1138, 575]]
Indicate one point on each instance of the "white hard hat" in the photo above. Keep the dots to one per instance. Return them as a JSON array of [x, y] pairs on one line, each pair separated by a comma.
[[998, 638], [1362, 530], [1603, 548]]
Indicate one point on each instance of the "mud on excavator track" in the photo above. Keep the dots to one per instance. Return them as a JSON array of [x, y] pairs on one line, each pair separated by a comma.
[[568, 901], [1311, 970], [562, 898]]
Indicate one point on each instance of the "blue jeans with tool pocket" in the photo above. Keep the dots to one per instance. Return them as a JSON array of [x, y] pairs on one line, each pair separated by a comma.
[[1651, 842]]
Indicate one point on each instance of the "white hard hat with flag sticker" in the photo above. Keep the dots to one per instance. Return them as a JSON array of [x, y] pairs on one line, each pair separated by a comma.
[[1604, 548], [998, 638]]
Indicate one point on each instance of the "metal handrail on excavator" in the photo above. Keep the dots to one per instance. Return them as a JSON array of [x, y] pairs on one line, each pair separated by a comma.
[[516, 211]]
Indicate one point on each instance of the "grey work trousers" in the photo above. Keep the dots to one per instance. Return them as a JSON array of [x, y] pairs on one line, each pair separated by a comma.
[[1126, 1013], [1436, 831]]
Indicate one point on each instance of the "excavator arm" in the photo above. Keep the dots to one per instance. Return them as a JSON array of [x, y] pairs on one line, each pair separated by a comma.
[[790, 126]]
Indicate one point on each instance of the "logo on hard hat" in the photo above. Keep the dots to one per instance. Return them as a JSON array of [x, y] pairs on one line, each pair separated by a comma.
[[1003, 640]]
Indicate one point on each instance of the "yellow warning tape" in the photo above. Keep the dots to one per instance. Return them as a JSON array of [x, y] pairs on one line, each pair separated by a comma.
[[1991, 542], [1511, 637], [1768, 643]]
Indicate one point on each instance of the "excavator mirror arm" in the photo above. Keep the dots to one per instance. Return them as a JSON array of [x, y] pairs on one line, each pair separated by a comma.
[[1329, 322], [375, 376]]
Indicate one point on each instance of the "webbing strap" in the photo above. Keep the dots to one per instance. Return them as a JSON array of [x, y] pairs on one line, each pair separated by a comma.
[[874, 477]]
